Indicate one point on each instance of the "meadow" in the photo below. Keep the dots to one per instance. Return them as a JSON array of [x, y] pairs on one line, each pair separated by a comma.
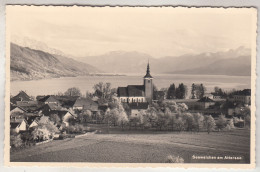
[[142, 148]]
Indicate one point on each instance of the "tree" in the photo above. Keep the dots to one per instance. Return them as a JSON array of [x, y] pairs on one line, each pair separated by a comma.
[[87, 116], [136, 119], [102, 90], [16, 141], [209, 123], [73, 92], [171, 92], [89, 95], [219, 92], [202, 90], [198, 91], [198, 121], [188, 121], [221, 123], [245, 112], [193, 88], [44, 131], [162, 120], [181, 91], [55, 118]]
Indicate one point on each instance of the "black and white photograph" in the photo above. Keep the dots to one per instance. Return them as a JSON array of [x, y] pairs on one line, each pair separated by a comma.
[[173, 86]]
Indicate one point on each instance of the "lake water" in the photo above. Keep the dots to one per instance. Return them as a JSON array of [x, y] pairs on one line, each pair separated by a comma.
[[85, 83]]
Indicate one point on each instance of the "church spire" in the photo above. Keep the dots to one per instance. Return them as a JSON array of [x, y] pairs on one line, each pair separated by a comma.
[[148, 75]]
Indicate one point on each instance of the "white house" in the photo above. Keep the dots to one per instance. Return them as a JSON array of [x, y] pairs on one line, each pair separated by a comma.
[[18, 126]]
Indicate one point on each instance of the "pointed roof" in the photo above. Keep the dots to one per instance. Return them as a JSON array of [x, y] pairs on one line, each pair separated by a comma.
[[148, 75], [21, 96]]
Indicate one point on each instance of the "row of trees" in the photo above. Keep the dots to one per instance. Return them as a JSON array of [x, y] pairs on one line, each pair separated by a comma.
[[165, 116], [180, 92], [177, 93], [103, 91]]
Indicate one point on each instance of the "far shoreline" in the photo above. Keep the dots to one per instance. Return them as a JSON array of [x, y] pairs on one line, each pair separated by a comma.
[[128, 74]]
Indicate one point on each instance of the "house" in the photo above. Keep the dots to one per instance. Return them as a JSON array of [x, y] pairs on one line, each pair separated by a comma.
[[138, 93], [64, 115], [85, 104], [21, 96], [18, 125], [243, 96], [216, 96], [47, 108], [205, 103], [66, 101], [137, 107], [191, 103], [32, 120], [48, 100], [29, 106], [17, 109], [209, 95]]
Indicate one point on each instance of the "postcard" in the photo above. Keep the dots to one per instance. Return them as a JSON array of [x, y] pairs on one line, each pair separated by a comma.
[[130, 86]]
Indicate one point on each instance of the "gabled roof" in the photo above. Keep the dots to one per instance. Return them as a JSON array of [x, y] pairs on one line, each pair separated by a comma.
[[50, 106], [131, 91], [27, 103], [13, 125], [86, 103], [60, 113], [139, 105], [12, 107], [31, 119], [48, 98], [21, 96], [66, 101], [135, 90], [122, 92], [17, 123], [205, 99], [43, 119], [245, 92]]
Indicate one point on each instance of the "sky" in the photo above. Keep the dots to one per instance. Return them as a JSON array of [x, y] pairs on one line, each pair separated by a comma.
[[159, 32]]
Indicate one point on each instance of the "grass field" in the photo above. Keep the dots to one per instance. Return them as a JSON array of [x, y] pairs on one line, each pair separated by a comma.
[[141, 148]]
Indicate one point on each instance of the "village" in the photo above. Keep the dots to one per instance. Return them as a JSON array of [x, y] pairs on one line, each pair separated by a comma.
[[134, 107]]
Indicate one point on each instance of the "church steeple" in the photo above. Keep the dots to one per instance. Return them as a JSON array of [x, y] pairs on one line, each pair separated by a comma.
[[148, 75], [148, 85]]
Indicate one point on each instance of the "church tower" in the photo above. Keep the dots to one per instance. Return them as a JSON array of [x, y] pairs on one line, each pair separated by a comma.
[[148, 85]]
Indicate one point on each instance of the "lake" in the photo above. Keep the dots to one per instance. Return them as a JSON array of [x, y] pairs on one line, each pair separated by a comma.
[[85, 83]]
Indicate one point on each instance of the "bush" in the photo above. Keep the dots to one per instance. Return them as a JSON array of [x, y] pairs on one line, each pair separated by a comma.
[[174, 159], [16, 141], [221, 123], [78, 128]]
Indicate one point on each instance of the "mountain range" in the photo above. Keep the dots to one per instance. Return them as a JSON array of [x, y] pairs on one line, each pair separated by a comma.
[[32, 60], [31, 64], [220, 63]]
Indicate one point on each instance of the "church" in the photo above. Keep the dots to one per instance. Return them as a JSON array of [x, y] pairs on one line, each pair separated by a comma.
[[138, 93]]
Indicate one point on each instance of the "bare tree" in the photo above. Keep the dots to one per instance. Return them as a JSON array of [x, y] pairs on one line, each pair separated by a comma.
[[73, 92]]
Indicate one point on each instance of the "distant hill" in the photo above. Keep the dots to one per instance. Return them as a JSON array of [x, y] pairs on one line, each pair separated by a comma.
[[30, 64], [240, 66], [228, 63], [119, 62]]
